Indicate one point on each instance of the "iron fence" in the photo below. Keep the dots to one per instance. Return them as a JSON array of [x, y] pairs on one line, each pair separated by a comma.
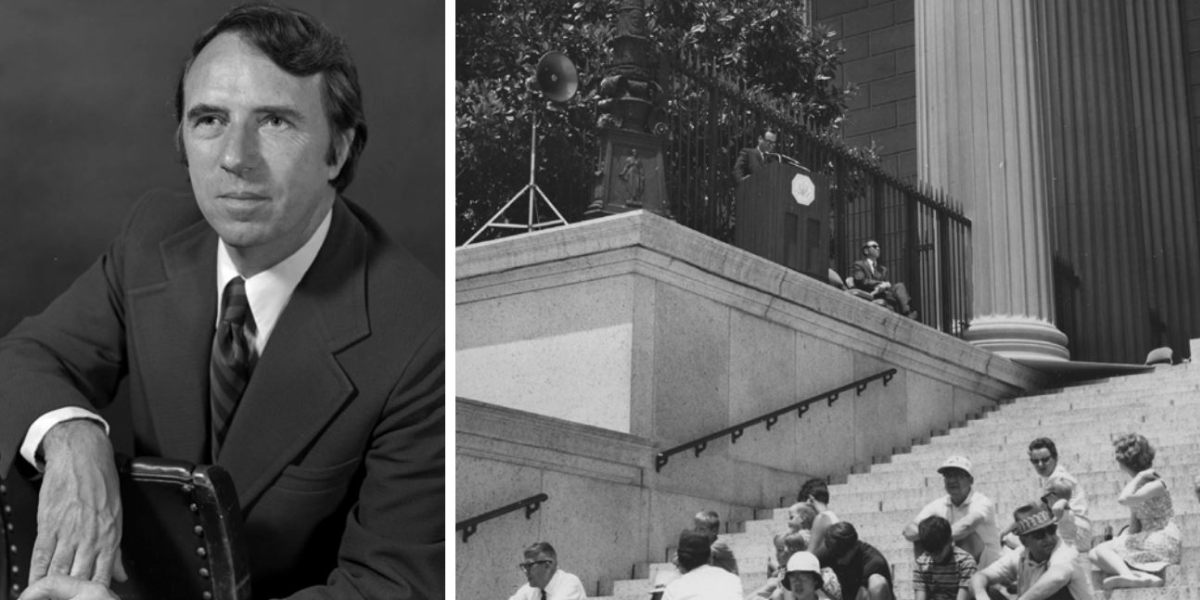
[[926, 241]]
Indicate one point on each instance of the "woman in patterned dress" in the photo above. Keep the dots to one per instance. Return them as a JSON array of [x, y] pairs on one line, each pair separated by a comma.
[[1152, 540]]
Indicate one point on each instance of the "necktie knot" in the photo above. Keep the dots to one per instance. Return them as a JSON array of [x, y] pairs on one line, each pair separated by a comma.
[[235, 306]]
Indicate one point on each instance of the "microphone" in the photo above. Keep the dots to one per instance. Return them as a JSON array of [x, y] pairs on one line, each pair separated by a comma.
[[783, 158]]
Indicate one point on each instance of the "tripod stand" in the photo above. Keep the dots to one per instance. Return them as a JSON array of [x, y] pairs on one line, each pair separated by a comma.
[[534, 192]]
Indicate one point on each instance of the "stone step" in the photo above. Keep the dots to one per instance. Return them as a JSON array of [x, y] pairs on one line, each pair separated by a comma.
[[1012, 470], [1102, 491], [1143, 419], [986, 458], [1083, 420]]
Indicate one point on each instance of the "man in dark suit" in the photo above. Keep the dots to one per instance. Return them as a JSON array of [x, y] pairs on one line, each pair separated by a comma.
[[871, 276], [263, 323], [751, 160]]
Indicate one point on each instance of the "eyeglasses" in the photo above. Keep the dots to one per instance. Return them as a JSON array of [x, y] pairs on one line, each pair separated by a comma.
[[1041, 461], [526, 566], [872, 245]]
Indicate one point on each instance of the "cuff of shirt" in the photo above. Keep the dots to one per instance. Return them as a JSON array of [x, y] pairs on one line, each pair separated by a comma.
[[40, 427]]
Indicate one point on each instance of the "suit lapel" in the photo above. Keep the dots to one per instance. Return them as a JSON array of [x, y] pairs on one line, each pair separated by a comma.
[[173, 344], [298, 385]]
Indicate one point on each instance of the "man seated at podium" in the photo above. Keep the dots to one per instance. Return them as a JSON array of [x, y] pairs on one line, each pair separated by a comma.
[[751, 160], [871, 276]]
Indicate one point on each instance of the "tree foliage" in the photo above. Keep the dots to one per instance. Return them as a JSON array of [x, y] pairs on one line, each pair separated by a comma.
[[498, 44]]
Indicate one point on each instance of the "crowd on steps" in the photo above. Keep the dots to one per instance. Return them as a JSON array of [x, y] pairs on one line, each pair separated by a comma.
[[1047, 550]]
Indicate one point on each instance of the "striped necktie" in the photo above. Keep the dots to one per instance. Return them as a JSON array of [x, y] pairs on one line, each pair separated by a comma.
[[232, 359]]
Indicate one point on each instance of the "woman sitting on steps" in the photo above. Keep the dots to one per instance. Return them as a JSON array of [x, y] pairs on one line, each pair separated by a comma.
[[1152, 540]]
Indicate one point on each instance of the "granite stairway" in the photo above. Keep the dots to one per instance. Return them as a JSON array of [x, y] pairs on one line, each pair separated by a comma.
[[1082, 420]]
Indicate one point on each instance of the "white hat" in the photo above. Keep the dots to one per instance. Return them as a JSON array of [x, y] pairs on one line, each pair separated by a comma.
[[801, 562], [956, 462]]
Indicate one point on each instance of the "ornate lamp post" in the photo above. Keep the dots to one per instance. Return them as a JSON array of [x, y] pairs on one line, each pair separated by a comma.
[[630, 169]]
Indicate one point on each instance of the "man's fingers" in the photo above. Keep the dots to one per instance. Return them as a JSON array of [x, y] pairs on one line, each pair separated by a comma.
[[64, 557], [43, 551], [118, 571], [104, 566], [82, 565]]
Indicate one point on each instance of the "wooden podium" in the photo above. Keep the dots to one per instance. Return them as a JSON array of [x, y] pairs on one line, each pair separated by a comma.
[[783, 216]]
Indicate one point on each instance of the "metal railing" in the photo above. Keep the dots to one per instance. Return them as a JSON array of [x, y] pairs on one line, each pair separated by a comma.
[[530, 504], [771, 418], [710, 117]]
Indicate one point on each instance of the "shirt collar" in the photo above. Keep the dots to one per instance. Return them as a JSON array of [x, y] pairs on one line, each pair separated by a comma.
[[268, 292], [553, 583]]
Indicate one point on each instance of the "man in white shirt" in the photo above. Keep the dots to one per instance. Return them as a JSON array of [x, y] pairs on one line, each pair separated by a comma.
[[700, 580], [972, 515], [1045, 568], [545, 581]]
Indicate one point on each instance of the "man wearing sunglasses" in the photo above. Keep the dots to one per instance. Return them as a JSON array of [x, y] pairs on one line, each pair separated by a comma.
[[1043, 455], [546, 580], [1045, 569], [871, 276]]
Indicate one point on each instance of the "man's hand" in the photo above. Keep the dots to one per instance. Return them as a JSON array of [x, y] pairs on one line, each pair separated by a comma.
[[62, 587], [79, 509]]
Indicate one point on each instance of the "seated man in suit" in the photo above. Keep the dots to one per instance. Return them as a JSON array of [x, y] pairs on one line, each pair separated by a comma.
[[263, 323], [871, 276], [751, 160]]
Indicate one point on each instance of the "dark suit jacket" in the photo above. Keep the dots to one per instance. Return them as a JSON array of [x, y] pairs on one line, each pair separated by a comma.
[[865, 278], [749, 162], [337, 447]]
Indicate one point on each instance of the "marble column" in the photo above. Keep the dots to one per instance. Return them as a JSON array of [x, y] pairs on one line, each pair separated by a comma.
[[1094, 147], [979, 138]]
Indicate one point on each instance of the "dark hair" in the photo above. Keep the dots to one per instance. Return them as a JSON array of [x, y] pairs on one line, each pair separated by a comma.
[[1047, 443], [934, 533], [817, 488], [840, 538], [537, 548], [1134, 451], [694, 549], [300, 45], [818, 580]]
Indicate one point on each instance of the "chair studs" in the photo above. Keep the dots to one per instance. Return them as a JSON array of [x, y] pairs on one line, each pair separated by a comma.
[[204, 572], [201, 552]]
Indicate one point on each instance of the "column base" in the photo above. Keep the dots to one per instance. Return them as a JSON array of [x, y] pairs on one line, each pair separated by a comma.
[[1018, 337]]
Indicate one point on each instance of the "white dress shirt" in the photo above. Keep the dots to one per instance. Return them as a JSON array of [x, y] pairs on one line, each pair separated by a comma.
[[974, 504], [562, 586], [705, 582], [267, 292]]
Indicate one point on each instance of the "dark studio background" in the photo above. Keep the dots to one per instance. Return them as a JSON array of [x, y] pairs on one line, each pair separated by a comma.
[[86, 125]]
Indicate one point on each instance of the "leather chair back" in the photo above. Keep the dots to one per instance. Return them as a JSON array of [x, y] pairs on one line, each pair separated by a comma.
[[181, 533]]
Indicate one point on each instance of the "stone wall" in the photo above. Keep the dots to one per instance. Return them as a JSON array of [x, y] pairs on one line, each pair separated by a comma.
[[879, 39], [586, 349]]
